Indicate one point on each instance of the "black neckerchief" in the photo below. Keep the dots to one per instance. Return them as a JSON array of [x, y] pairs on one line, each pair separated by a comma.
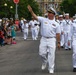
[[67, 22], [60, 22]]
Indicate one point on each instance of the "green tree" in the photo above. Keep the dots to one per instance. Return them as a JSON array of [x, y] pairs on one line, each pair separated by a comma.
[[69, 6], [22, 8], [5, 11]]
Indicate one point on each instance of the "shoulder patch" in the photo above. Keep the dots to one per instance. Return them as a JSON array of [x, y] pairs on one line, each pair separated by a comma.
[[45, 22]]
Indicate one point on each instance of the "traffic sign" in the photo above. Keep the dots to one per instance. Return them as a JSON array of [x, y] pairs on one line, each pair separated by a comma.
[[16, 1]]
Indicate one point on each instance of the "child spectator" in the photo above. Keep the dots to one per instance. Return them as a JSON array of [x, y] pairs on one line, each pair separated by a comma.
[[9, 37], [13, 32]]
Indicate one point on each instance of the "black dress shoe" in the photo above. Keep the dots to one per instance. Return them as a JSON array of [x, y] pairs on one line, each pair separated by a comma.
[[62, 47], [69, 48], [66, 49], [74, 69]]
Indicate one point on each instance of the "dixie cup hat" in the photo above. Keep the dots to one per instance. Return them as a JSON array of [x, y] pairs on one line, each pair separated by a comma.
[[60, 15]]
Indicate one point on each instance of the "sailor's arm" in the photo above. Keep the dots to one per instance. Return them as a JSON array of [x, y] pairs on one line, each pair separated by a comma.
[[32, 13]]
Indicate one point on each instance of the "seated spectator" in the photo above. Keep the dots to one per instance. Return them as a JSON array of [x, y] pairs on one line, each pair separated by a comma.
[[1, 38], [9, 37]]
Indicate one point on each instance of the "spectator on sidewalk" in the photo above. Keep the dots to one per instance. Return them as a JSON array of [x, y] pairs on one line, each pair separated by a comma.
[[13, 32]]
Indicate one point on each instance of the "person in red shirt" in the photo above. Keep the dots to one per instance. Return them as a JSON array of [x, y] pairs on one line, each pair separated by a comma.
[[17, 24]]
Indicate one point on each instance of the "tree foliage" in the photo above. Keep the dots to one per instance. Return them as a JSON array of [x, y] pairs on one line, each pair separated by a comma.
[[5, 11], [22, 8], [69, 6], [23, 11]]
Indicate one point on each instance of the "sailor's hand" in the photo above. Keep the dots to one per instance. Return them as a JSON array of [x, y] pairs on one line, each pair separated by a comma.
[[58, 45], [29, 8]]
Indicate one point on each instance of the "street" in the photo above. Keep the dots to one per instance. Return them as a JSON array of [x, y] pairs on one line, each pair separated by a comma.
[[23, 59]]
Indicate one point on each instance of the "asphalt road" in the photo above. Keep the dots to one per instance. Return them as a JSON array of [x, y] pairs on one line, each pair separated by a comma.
[[23, 59]]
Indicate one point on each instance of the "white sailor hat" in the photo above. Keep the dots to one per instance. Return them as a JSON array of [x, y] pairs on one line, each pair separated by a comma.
[[52, 10], [60, 15], [0, 20], [74, 16], [24, 20], [67, 14]]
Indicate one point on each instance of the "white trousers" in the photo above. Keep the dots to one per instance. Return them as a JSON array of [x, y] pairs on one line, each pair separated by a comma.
[[34, 33], [74, 53], [66, 41], [25, 34], [37, 33], [62, 40], [47, 51]]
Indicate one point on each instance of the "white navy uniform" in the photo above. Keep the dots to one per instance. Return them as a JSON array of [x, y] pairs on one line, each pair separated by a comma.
[[22, 24], [49, 28], [25, 30], [62, 32], [37, 29], [67, 37], [32, 24], [35, 32], [74, 43]]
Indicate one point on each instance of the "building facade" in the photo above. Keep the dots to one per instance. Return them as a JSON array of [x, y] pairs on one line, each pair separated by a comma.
[[44, 4]]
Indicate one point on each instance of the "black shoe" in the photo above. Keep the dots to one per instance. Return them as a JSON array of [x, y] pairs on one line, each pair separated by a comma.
[[66, 49], [62, 47], [74, 69], [69, 48]]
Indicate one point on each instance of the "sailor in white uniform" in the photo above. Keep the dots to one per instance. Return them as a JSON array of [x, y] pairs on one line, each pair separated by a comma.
[[67, 28], [50, 31], [21, 24], [73, 32], [74, 19], [61, 20], [32, 25], [25, 29], [37, 28]]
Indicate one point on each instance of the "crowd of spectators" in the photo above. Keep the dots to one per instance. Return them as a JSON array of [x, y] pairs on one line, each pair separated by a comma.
[[7, 32]]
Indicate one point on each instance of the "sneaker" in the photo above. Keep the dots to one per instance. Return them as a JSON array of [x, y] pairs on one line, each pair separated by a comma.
[[51, 71], [43, 66]]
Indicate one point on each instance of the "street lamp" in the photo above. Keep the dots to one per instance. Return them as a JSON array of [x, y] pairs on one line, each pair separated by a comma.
[[5, 9], [11, 7], [5, 4]]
